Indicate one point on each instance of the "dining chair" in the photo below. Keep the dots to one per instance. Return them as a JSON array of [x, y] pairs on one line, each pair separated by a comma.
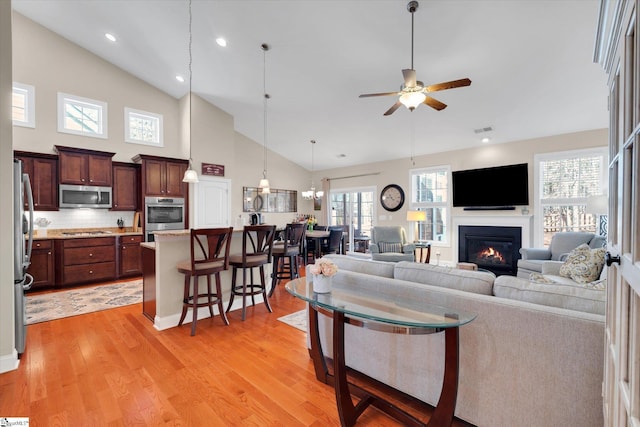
[[332, 244], [209, 256], [257, 250], [289, 249]]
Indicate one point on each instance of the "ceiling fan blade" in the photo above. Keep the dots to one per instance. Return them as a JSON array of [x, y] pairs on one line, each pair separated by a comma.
[[393, 108], [448, 85], [434, 103], [409, 77], [366, 95]]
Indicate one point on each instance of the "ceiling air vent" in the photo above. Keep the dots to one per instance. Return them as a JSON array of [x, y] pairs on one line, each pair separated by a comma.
[[482, 130]]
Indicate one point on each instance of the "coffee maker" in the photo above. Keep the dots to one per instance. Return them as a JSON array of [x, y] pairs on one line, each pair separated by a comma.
[[256, 218]]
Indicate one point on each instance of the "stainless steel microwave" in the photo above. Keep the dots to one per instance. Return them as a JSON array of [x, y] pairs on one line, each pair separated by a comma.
[[84, 196]]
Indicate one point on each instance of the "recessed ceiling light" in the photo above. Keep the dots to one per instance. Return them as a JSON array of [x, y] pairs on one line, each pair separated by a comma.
[[180, 79], [110, 37], [485, 139], [221, 42]]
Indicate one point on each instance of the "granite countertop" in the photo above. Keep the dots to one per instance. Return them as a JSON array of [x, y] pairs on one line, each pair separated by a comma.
[[75, 233]]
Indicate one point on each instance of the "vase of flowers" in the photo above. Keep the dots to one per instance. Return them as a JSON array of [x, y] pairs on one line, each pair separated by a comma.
[[323, 271]]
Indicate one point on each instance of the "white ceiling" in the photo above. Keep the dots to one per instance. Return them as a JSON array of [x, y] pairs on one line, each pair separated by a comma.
[[530, 62]]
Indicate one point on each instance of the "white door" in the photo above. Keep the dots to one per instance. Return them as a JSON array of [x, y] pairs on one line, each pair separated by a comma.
[[212, 203], [619, 52]]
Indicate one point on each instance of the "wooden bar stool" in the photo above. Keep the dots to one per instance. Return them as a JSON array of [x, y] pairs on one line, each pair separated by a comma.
[[291, 248], [212, 257], [257, 248]]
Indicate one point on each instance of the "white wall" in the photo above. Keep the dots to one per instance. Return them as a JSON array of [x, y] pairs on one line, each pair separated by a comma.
[[8, 357], [397, 171]]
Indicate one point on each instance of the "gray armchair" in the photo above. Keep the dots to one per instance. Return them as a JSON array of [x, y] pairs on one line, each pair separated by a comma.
[[390, 244], [560, 246]]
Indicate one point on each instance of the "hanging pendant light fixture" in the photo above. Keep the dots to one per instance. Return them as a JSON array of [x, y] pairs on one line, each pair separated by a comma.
[[264, 182], [190, 175], [312, 194]]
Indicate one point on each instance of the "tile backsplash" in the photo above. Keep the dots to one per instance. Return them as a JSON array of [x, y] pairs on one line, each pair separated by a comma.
[[84, 218]]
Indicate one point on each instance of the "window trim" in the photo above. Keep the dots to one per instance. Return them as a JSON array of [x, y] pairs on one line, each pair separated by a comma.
[[160, 134], [102, 109], [413, 205], [559, 155], [30, 108]]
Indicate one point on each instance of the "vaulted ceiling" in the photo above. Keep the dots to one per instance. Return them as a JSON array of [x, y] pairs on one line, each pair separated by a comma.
[[530, 62]]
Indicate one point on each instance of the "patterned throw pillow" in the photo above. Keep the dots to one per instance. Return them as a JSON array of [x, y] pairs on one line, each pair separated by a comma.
[[583, 264], [390, 247]]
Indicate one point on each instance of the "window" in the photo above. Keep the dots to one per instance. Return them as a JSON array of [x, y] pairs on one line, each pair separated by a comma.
[[430, 193], [82, 116], [141, 127], [565, 181], [23, 107]]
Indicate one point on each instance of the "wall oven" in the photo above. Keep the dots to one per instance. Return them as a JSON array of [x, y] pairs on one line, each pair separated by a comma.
[[163, 213]]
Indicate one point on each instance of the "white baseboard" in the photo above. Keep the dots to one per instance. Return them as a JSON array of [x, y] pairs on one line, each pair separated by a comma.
[[171, 321], [9, 362]]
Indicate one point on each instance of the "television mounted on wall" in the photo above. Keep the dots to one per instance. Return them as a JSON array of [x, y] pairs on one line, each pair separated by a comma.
[[501, 187]]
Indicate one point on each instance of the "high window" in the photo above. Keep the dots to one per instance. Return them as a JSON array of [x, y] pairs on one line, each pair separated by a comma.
[[566, 183], [82, 116], [23, 108], [142, 127], [430, 190]]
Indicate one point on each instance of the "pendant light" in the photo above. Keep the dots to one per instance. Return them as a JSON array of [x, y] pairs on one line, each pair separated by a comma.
[[264, 182], [190, 175], [312, 194]]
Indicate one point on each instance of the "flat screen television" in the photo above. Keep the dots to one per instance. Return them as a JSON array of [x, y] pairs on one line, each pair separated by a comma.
[[499, 187]]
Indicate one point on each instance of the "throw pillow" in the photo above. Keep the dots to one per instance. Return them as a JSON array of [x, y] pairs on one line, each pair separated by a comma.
[[583, 264], [390, 247]]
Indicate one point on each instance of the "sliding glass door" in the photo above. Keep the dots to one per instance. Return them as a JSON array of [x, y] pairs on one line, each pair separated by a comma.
[[355, 210]]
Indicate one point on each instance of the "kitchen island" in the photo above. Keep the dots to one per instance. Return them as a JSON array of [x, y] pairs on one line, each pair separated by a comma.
[[163, 285]]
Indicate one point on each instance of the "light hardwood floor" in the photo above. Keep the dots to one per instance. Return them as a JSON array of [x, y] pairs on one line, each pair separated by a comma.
[[112, 368]]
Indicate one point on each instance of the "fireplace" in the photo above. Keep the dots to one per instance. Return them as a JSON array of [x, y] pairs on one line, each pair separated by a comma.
[[492, 248]]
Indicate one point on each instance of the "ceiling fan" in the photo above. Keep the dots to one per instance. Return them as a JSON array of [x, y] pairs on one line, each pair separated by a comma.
[[413, 92]]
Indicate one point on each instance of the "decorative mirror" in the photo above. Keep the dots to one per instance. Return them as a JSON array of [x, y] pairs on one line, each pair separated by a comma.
[[280, 201]]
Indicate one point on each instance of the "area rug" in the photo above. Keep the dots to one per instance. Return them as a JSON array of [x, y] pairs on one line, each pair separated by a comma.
[[298, 320], [57, 305]]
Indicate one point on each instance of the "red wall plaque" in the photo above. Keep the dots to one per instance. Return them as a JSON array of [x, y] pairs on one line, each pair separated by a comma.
[[211, 169]]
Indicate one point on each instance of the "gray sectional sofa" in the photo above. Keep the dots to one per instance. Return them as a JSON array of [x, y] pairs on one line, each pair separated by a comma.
[[521, 363]]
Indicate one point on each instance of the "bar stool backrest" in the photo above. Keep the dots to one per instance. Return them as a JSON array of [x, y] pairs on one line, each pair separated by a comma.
[[295, 235], [210, 246], [258, 240]]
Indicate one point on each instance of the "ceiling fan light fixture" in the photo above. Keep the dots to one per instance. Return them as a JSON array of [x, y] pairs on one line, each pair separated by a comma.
[[412, 99]]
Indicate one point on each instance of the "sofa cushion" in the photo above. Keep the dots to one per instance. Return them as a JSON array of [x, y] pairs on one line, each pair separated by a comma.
[[360, 265], [478, 282], [572, 297], [583, 264]]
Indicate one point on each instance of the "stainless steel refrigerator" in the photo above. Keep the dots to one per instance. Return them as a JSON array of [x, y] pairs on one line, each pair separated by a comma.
[[22, 243]]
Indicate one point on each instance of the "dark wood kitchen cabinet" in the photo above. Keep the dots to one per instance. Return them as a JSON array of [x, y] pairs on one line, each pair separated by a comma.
[[162, 176], [43, 174], [126, 189], [42, 264], [85, 260], [129, 256], [85, 167]]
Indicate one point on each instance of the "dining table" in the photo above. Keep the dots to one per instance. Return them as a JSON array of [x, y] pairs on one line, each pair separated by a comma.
[[317, 236]]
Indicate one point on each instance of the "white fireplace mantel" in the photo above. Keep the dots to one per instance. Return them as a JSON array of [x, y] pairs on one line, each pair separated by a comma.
[[523, 221]]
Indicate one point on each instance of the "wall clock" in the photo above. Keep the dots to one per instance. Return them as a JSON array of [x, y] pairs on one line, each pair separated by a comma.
[[392, 197]]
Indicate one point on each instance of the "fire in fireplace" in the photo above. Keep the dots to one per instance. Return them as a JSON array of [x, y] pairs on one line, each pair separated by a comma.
[[496, 249]]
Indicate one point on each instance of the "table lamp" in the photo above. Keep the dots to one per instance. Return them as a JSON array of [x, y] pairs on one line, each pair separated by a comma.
[[598, 205], [416, 217]]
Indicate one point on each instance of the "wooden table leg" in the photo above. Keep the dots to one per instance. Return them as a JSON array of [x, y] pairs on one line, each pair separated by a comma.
[[443, 413]]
